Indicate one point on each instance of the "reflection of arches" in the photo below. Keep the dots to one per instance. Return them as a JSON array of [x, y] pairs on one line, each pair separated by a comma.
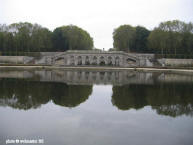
[[94, 62], [79, 60], [116, 76], [87, 75], [79, 74], [110, 60], [102, 60], [72, 60], [102, 75], [94, 76], [87, 60], [109, 75], [71, 76], [117, 61]]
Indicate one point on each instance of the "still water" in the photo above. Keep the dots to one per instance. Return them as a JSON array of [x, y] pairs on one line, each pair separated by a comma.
[[96, 107]]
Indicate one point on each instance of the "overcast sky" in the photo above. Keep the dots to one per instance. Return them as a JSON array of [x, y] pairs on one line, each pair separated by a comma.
[[98, 17]]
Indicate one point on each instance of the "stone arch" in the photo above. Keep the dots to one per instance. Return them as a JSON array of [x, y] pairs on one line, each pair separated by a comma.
[[117, 61], [72, 60], [79, 60], [87, 62], [102, 60], [94, 60]]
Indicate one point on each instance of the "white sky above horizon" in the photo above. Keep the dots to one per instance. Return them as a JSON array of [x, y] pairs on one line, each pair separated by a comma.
[[97, 17]]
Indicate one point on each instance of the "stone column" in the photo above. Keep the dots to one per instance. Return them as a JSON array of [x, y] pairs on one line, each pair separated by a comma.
[[75, 60], [120, 61], [106, 60], [113, 60], [98, 60], [68, 60]]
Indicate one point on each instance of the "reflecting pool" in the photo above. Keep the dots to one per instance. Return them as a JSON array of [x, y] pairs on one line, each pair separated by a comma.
[[76, 107]]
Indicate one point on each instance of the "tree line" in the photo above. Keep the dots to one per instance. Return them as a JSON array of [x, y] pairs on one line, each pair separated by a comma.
[[170, 38], [27, 37]]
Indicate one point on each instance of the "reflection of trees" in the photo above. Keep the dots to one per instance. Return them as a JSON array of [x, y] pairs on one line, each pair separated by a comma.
[[27, 94], [175, 110], [168, 99], [128, 96], [23, 94], [70, 96]]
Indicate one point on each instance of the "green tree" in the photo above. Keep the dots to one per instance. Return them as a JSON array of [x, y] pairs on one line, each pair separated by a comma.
[[124, 37], [172, 37], [3, 37], [157, 41], [1, 40], [71, 38], [141, 36], [24, 37], [59, 41], [41, 39]]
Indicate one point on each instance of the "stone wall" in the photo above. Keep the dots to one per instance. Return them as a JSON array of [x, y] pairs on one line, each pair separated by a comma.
[[176, 62], [15, 59], [146, 59]]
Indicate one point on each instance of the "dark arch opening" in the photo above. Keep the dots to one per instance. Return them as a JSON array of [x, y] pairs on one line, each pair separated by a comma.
[[94, 60], [87, 62], [79, 60], [102, 61]]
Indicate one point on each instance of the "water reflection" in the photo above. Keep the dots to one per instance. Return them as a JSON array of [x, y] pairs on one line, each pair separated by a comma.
[[173, 99], [22, 94], [82, 77], [168, 94]]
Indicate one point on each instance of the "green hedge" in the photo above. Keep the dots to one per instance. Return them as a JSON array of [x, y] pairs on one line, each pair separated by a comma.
[[179, 56], [34, 54]]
